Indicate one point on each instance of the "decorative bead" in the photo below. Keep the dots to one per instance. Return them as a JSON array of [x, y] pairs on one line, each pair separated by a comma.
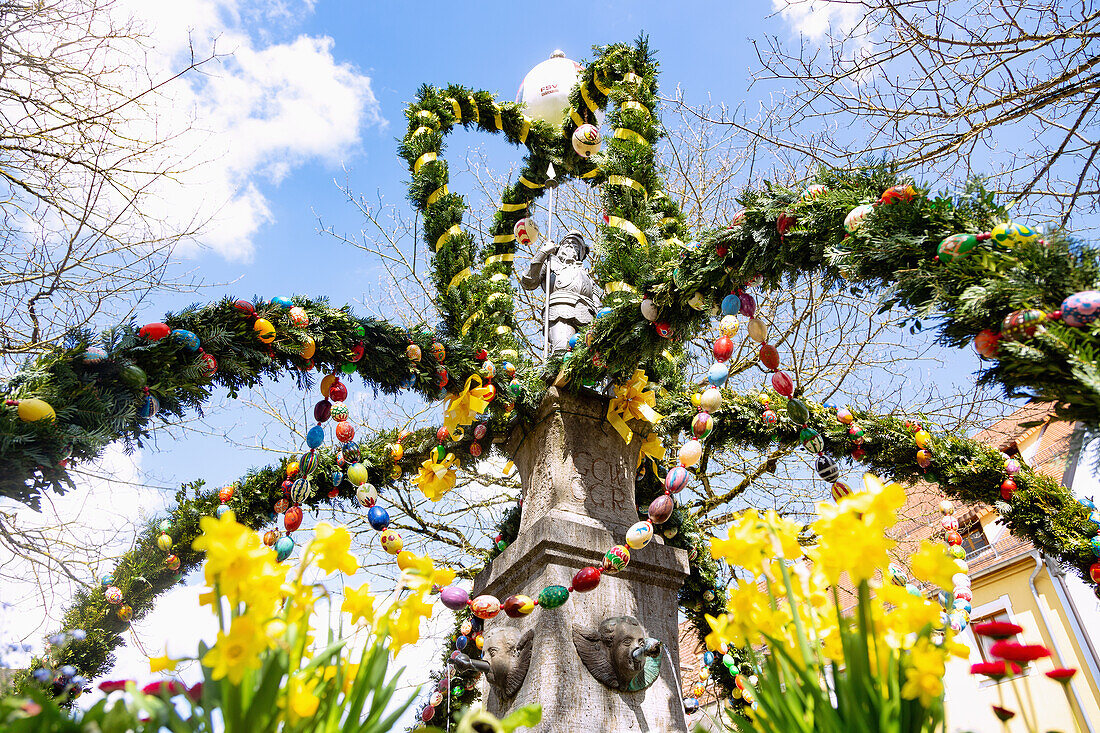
[[553, 596], [639, 535], [660, 509], [586, 579]]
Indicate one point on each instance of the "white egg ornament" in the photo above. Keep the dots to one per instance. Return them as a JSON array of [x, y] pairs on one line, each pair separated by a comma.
[[586, 140], [639, 535], [545, 90]]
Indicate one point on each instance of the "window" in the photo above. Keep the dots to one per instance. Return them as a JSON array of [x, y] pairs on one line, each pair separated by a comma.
[[985, 643], [974, 539]]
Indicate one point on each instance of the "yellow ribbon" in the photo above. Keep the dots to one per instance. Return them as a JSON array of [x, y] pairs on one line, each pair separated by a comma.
[[459, 277], [632, 78], [420, 130], [436, 478], [636, 106], [632, 401], [628, 227], [577, 119], [530, 184], [510, 465], [496, 117], [616, 288], [668, 220], [434, 196], [504, 238], [470, 322], [624, 134], [515, 207], [604, 90], [626, 181], [464, 407], [587, 99], [427, 115], [524, 129], [653, 448], [454, 231], [668, 356], [423, 160], [477, 112], [506, 257], [455, 106], [592, 173]]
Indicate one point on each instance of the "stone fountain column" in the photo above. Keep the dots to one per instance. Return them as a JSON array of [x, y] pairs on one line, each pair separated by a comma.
[[578, 501]]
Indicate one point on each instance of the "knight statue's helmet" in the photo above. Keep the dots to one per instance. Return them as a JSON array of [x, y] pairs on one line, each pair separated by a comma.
[[576, 239]]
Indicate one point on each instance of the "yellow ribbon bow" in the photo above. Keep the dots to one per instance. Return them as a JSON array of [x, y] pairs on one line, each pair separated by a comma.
[[653, 448], [464, 406], [632, 401], [436, 478]]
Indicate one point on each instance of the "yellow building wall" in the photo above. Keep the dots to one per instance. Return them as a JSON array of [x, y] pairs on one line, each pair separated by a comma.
[[970, 699]]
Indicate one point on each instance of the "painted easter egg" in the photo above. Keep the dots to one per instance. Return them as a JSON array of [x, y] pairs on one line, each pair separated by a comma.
[[639, 535], [1081, 309]]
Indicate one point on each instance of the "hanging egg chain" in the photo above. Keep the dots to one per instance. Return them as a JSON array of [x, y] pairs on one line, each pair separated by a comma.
[[1094, 517], [959, 601]]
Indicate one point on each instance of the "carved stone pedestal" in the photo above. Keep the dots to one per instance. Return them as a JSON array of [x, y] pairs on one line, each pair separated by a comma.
[[578, 479]]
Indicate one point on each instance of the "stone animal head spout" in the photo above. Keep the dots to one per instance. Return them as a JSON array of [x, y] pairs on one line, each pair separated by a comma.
[[506, 657], [618, 653]]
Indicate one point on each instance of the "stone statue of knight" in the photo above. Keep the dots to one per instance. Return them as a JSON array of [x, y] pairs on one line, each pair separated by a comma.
[[573, 296]]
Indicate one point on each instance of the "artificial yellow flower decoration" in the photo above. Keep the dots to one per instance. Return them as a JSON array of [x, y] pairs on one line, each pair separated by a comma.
[[359, 602], [632, 401], [436, 478], [332, 545], [466, 405]]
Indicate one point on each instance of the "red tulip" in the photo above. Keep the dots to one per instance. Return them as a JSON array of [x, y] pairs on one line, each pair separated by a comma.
[[997, 629], [1062, 674], [1014, 652]]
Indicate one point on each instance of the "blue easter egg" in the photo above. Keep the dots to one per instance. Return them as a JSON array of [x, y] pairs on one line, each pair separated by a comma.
[[186, 339], [731, 305], [106, 579], [574, 340], [283, 547], [677, 479], [337, 478], [410, 381], [315, 436], [94, 355], [282, 301], [1095, 542], [691, 705], [378, 517], [222, 509], [1081, 309], [1088, 504], [718, 374], [708, 658], [461, 642], [1094, 516], [602, 312], [149, 407]]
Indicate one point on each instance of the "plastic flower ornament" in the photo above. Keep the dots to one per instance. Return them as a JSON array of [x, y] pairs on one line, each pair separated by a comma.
[[466, 405], [436, 478]]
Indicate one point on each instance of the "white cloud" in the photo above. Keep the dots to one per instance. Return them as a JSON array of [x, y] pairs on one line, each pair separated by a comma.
[[249, 117], [816, 19]]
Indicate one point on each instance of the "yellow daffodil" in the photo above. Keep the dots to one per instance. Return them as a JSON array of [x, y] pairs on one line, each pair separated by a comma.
[[301, 701], [163, 663], [404, 630], [421, 575], [359, 603], [436, 478], [721, 633], [931, 563], [747, 543], [237, 563], [331, 545], [238, 650], [924, 673]]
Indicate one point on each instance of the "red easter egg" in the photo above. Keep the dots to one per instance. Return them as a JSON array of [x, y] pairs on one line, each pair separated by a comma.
[[338, 392], [664, 329], [322, 410], [244, 307], [783, 384], [292, 520], [723, 348], [344, 431], [1007, 487], [784, 222], [954, 538], [225, 493], [586, 579], [1094, 571], [769, 356], [154, 331], [986, 343], [357, 351], [490, 392]]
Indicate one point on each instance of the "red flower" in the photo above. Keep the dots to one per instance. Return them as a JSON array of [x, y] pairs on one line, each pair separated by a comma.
[[1019, 652], [1062, 674], [997, 629], [195, 693], [163, 687], [1003, 714], [995, 670], [114, 685]]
